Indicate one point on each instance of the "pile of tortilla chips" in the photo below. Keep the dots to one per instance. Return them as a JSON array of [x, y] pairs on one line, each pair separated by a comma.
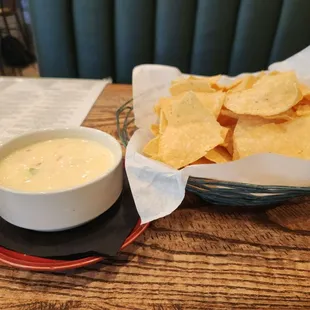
[[205, 122]]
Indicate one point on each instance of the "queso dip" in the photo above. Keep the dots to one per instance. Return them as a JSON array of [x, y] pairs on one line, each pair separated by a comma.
[[54, 165]]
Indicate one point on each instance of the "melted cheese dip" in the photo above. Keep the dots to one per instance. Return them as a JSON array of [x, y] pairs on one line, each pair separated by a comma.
[[55, 164]]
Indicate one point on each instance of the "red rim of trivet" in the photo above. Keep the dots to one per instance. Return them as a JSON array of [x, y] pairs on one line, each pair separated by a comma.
[[27, 262]]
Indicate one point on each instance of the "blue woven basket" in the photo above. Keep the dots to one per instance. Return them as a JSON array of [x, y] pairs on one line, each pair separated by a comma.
[[221, 192]]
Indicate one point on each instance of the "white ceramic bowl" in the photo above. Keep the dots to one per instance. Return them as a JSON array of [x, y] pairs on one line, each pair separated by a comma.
[[64, 209]]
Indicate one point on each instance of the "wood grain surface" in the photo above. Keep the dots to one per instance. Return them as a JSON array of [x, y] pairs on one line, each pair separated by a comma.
[[199, 257]]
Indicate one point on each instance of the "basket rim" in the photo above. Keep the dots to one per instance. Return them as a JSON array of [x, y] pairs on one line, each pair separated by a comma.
[[246, 185]]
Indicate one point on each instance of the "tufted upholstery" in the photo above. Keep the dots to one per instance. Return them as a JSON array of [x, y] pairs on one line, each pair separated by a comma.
[[99, 38]]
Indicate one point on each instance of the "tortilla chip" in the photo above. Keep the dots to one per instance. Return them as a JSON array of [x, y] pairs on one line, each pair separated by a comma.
[[246, 82], [212, 101], [271, 95], [256, 136], [212, 80], [202, 161], [302, 109], [162, 122], [305, 90], [228, 141], [183, 144], [161, 104], [151, 148], [197, 85], [285, 116], [228, 118], [155, 129], [219, 155], [186, 108]]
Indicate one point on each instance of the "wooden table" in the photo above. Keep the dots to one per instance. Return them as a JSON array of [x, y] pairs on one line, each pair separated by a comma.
[[199, 257]]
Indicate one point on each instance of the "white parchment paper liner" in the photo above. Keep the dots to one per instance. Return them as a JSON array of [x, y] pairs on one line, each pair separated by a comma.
[[158, 189]]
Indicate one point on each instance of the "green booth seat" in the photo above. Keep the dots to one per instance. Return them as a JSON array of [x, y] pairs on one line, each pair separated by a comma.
[[100, 38]]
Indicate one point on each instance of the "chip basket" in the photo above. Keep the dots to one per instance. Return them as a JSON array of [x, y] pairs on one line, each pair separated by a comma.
[[221, 192]]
